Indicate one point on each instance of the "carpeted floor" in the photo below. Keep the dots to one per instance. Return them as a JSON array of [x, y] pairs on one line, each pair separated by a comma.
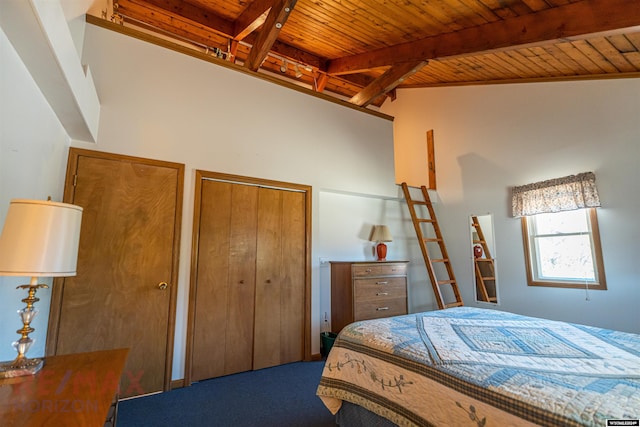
[[282, 396]]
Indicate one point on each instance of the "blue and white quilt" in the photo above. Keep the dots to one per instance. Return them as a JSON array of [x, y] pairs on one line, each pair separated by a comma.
[[468, 366]]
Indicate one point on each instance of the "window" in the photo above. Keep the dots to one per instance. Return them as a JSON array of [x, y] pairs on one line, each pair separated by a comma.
[[562, 249], [560, 231]]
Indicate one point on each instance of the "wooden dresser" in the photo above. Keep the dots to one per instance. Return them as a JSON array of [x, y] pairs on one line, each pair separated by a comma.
[[367, 290]]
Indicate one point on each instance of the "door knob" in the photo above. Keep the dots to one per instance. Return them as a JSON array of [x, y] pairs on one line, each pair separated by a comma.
[[162, 285]]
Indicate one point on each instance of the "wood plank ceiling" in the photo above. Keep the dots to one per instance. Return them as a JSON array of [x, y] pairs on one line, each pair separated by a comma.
[[362, 50]]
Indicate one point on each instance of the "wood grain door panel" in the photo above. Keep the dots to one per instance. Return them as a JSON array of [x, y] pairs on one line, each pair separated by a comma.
[[279, 278], [223, 314], [266, 350], [293, 275], [128, 246]]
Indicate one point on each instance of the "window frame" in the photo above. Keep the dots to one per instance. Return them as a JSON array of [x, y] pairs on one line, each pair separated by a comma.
[[600, 280]]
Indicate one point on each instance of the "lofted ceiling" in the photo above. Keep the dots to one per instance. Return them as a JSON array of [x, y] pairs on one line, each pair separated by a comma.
[[362, 50]]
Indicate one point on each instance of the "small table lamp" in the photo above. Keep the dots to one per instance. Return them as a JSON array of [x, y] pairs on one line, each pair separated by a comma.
[[380, 234], [39, 239]]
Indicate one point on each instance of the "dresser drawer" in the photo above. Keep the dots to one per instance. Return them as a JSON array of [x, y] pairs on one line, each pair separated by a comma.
[[382, 287], [366, 270], [393, 270], [374, 309], [372, 270]]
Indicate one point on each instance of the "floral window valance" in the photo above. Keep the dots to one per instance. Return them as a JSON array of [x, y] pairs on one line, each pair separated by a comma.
[[556, 195]]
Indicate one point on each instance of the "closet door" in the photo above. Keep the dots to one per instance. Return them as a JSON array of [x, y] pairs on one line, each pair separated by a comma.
[[225, 286], [124, 293], [249, 299], [279, 309]]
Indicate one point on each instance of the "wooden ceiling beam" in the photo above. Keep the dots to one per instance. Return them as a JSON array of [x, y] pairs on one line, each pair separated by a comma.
[[162, 21], [361, 80], [572, 21], [277, 17], [386, 82], [178, 11], [321, 82], [251, 18], [193, 37], [141, 11], [292, 53]]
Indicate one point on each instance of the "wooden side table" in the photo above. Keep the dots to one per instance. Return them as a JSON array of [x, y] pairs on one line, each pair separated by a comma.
[[70, 390]]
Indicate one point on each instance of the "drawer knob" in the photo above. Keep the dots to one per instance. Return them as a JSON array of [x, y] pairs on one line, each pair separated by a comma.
[[379, 294], [381, 283], [382, 308]]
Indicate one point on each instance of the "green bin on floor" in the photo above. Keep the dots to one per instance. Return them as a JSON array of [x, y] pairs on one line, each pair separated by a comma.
[[326, 342]]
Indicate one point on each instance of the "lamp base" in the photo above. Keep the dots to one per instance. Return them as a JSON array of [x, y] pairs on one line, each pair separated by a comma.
[[381, 250], [20, 367]]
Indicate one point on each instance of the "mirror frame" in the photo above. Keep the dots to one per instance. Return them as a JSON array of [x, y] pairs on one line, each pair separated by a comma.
[[484, 269]]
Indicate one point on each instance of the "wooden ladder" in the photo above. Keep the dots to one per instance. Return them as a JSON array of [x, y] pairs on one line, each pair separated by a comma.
[[484, 267], [429, 262]]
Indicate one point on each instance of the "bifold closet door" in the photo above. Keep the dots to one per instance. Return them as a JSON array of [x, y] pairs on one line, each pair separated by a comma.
[[280, 274], [248, 298], [225, 287]]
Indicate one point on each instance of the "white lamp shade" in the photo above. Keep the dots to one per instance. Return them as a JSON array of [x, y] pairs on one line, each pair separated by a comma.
[[381, 233], [40, 239]]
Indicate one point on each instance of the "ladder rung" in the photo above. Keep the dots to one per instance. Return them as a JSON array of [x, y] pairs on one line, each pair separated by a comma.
[[488, 278], [454, 304], [446, 282], [419, 202], [440, 260], [425, 220], [484, 259], [432, 240]]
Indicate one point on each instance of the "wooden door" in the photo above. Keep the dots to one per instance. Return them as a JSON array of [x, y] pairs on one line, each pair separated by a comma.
[[224, 294], [129, 245], [279, 312], [249, 304]]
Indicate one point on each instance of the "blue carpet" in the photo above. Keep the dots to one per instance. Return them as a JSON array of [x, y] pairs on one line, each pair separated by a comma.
[[282, 396]]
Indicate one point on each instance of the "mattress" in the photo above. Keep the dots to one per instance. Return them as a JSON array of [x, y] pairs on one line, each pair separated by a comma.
[[472, 366]]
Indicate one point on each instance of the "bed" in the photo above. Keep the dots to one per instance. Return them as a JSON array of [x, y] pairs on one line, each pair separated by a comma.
[[469, 366]]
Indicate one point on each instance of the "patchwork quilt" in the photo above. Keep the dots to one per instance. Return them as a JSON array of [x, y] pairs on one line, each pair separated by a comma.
[[468, 366]]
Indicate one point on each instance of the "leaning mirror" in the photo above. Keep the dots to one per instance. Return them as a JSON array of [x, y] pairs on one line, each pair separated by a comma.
[[483, 255]]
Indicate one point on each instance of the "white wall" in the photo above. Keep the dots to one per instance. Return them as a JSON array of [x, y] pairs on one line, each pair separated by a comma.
[[160, 104], [490, 138], [33, 152]]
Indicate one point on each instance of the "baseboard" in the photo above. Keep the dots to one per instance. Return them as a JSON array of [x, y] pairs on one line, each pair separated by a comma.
[[177, 384]]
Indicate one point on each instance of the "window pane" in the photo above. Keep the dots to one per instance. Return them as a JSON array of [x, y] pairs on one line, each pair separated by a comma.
[[562, 222], [565, 257]]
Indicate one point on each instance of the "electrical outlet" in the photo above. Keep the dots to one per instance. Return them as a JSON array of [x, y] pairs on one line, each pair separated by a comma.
[[324, 260]]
